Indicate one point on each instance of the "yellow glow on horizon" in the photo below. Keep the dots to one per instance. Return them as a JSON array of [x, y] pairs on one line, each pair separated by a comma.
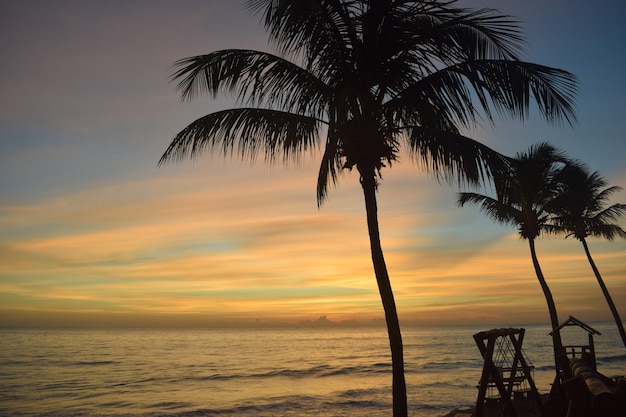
[[236, 251]]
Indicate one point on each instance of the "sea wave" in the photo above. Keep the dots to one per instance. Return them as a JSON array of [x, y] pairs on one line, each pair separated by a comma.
[[319, 371], [350, 403], [224, 373], [611, 359], [546, 368], [95, 363], [437, 366]]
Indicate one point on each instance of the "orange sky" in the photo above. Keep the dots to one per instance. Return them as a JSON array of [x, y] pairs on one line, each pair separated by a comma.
[[93, 233], [186, 249]]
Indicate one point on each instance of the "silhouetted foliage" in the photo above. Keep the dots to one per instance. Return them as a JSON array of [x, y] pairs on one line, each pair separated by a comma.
[[524, 194], [581, 209], [361, 79], [545, 192]]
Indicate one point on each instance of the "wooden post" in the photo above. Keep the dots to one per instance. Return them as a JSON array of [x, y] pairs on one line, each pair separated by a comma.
[[486, 352], [525, 368]]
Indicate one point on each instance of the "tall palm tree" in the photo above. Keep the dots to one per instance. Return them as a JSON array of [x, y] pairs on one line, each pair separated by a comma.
[[580, 210], [523, 196], [361, 78]]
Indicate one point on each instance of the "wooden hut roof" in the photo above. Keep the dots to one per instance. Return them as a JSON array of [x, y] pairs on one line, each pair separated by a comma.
[[573, 321]]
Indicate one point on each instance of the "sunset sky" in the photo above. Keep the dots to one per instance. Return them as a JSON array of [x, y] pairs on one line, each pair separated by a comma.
[[92, 232]]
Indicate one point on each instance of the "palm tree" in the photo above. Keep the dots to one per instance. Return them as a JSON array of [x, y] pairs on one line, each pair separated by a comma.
[[580, 210], [523, 196], [361, 78]]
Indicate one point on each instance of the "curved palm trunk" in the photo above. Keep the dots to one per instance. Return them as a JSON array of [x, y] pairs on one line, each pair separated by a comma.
[[368, 183], [554, 320], [605, 291]]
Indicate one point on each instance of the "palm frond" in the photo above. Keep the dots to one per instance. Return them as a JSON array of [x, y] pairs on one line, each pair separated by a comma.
[[487, 34], [440, 97], [608, 231], [329, 168], [464, 33], [542, 154], [527, 190], [450, 155], [247, 132], [306, 27], [603, 196], [609, 214], [492, 207], [556, 229], [533, 184], [504, 86], [580, 206], [256, 78], [511, 85]]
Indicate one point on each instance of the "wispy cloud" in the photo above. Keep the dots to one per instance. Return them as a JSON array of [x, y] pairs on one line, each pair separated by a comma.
[[88, 223]]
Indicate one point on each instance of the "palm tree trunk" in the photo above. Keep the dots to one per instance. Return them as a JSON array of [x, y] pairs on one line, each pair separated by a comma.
[[368, 183], [605, 291], [556, 336]]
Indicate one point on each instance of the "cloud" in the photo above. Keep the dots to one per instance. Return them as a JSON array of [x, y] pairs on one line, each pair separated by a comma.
[[90, 225]]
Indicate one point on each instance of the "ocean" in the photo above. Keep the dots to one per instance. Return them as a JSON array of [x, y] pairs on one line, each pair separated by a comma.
[[329, 371]]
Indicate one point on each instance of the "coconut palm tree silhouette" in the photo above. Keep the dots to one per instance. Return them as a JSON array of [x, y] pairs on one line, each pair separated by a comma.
[[523, 196], [580, 210], [360, 79]]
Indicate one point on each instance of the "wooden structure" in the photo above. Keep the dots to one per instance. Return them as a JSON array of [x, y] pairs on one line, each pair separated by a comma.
[[588, 392], [588, 351], [506, 385]]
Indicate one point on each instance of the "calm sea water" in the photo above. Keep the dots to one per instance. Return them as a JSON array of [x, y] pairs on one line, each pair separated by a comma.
[[253, 372]]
